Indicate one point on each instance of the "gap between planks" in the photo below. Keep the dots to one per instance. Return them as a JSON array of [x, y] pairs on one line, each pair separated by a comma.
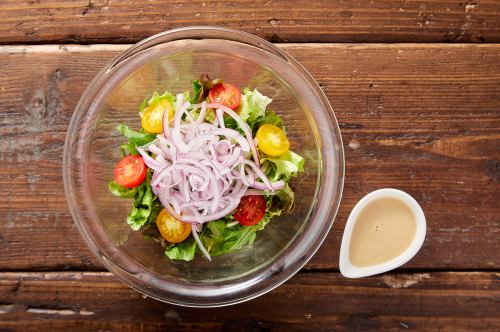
[[55, 48]]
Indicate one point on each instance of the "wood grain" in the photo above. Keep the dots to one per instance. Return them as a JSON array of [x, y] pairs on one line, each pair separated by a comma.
[[425, 119], [309, 301], [106, 21]]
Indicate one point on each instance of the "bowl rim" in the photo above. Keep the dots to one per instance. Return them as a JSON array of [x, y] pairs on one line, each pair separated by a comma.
[[280, 275]]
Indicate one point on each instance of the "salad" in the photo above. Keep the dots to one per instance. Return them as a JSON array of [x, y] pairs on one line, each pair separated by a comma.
[[207, 170]]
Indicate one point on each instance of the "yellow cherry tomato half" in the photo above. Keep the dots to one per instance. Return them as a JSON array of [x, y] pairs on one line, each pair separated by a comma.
[[152, 116], [171, 229], [272, 140]]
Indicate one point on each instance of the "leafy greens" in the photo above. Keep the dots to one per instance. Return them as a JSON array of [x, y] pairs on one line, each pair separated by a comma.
[[220, 236], [135, 139]]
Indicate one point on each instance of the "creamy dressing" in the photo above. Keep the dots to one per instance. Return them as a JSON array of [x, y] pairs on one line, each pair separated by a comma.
[[383, 230]]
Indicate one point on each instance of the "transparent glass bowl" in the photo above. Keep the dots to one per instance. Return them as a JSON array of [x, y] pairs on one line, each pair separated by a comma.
[[170, 61]]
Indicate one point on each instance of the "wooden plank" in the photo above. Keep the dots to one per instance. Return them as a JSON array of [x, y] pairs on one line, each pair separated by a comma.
[[424, 119], [105, 21], [467, 301]]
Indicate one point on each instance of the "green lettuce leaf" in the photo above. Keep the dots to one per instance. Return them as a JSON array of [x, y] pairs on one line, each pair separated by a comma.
[[198, 92], [253, 106], [272, 118], [286, 199], [121, 191], [272, 211], [220, 239], [182, 251], [141, 210], [202, 86], [146, 206], [138, 137], [269, 118], [229, 122], [283, 167], [135, 139]]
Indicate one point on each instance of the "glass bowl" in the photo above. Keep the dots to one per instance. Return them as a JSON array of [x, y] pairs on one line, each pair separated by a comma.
[[170, 61]]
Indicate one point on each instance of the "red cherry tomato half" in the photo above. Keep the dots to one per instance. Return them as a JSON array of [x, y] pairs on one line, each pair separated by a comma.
[[130, 171], [225, 94], [251, 210]]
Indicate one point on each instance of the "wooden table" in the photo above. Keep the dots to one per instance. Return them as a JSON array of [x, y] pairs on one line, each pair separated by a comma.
[[416, 89]]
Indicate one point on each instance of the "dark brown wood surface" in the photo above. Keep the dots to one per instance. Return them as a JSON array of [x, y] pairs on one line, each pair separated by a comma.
[[112, 21], [307, 302], [424, 119]]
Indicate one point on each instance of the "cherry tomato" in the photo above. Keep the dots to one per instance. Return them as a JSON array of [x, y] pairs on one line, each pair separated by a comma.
[[152, 116], [171, 229], [130, 171], [251, 210], [225, 94], [272, 140]]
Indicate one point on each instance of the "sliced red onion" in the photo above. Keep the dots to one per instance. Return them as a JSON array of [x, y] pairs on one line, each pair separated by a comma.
[[200, 171], [215, 167], [177, 137], [206, 127], [278, 185], [258, 172], [258, 192], [220, 117], [251, 178], [204, 251], [148, 160], [176, 205], [203, 112], [195, 204], [199, 140], [231, 133], [231, 160], [198, 183], [223, 147], [156, 150], [243, 125], [215, 216]]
